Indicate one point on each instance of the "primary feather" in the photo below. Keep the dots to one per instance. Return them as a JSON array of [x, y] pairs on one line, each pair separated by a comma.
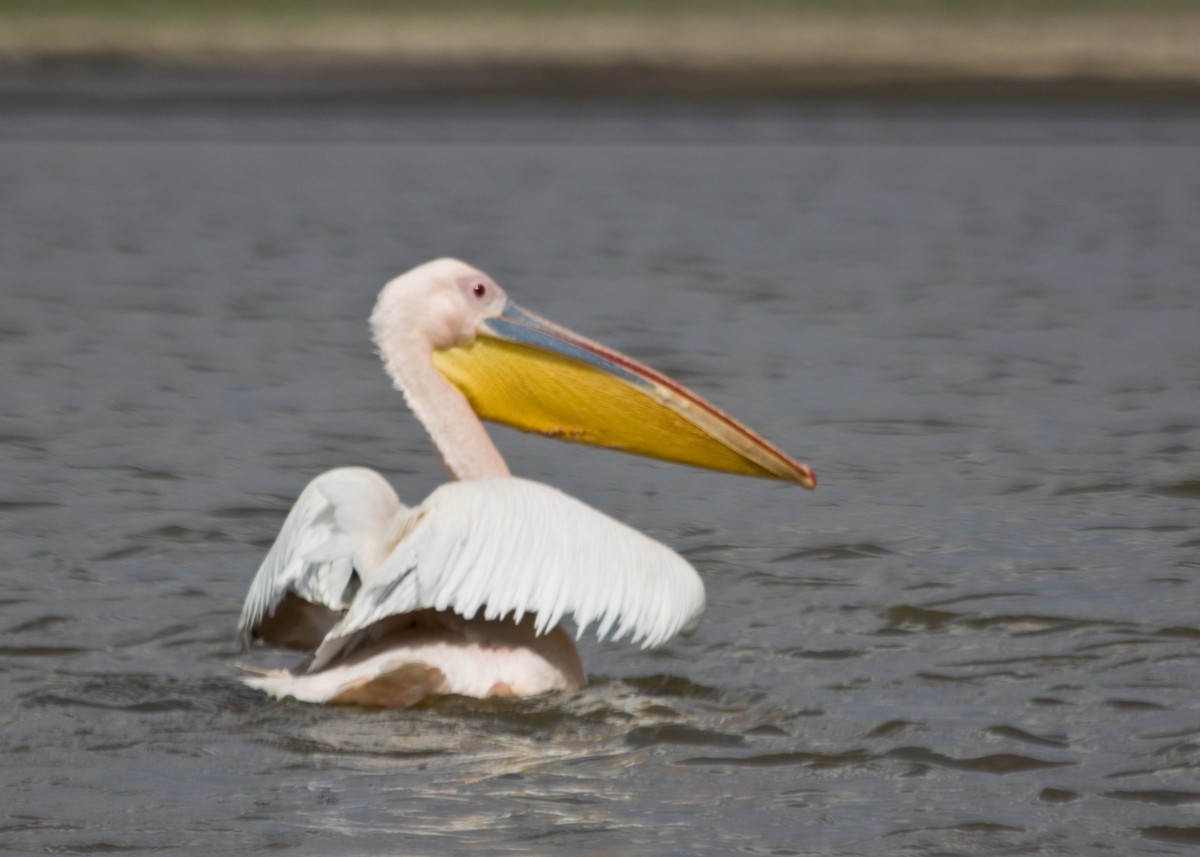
[[510, 547], [492, 548]]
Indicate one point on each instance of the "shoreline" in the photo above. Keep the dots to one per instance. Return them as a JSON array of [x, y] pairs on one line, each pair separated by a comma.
[[107, 81], [1120, 55]]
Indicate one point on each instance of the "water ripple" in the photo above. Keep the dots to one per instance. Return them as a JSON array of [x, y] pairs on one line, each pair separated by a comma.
[[994, 763], [977, 637]]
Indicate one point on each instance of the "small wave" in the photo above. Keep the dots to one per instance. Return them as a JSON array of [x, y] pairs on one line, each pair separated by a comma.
[[1162, 797], [994, 763], [849, 758], [1180, 835]]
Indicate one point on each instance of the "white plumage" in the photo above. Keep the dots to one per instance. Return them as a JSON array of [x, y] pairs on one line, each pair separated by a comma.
[[492, 549], [336, 525], [508, 547]]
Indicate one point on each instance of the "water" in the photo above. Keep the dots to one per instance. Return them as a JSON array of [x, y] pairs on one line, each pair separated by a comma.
[[979, 324]]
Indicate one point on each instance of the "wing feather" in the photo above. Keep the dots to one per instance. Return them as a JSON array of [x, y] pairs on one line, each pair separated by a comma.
[[512, 547], [335, 526]]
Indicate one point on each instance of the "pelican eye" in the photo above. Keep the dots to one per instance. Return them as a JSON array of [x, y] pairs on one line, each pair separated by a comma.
[[480, 290]]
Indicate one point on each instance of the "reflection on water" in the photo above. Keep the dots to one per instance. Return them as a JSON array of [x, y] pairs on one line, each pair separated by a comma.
[[978, 636]]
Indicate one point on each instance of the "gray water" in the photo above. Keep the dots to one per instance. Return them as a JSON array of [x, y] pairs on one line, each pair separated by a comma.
[[980, 325]]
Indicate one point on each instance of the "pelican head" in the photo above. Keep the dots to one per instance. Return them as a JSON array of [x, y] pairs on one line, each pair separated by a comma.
[[520, 370]]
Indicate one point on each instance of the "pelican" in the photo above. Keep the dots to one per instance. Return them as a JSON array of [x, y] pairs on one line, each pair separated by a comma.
[[467, 593]]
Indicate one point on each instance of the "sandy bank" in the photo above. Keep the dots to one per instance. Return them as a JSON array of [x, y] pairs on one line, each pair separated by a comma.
[[694, 55]]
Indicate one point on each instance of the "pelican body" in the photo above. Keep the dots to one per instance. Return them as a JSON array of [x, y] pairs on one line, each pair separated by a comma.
[[467, 592]]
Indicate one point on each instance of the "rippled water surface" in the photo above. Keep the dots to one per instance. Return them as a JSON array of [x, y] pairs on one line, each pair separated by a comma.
[[981, 326]]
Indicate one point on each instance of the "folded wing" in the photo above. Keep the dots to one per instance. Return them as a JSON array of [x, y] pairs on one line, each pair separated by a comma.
[[337, 526]]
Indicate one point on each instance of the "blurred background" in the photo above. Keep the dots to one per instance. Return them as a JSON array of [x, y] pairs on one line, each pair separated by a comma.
[[694, 47]]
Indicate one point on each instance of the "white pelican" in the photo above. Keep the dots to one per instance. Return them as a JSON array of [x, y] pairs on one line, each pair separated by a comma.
[[465, 593]]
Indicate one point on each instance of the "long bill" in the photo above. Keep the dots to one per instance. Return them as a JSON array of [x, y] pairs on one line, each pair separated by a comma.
[[526, 372]]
